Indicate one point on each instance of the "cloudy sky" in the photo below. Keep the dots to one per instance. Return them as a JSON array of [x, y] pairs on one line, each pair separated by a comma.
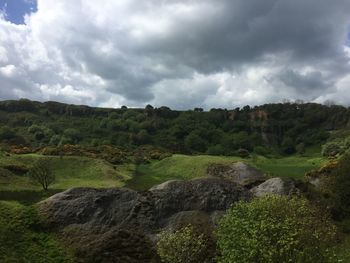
[[179, 53]]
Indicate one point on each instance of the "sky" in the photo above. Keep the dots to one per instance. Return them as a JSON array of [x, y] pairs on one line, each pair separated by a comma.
[[178, 53]]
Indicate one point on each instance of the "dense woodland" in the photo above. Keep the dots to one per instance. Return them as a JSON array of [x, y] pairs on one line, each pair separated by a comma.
[[283, 128]]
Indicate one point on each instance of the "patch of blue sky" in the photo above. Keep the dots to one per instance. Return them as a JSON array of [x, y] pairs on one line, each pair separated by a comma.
[[15, 10]]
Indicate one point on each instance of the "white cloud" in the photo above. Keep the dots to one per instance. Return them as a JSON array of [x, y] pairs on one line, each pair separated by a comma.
[[8, 71], [184, 54]]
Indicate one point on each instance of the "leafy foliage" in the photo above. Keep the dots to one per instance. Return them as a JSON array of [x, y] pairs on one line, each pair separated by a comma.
[[277, 127], [332, 149], [340, 188], [275, 229], [184, 245]]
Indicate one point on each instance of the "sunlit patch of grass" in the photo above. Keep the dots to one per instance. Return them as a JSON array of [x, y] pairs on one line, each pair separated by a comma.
[[188, 167]]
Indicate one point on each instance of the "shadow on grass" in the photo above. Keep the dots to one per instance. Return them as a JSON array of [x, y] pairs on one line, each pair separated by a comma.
[[137, 181], [27, 197]]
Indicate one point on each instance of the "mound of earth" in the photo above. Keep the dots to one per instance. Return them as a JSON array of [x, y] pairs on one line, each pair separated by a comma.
[[119, 224], [239, 172]]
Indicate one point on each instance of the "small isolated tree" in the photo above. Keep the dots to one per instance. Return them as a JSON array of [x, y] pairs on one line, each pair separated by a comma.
[[276, 229], [183, 245], [41, 173]]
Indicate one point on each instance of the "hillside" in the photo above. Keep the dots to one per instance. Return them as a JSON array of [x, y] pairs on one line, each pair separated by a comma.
[[122, 160], [267, 129]]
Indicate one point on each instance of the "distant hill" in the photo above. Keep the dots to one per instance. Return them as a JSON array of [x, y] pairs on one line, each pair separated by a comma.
[[271, 128]]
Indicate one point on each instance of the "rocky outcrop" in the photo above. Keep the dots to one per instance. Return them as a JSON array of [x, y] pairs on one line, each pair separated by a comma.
[[239, 172], [90, 218], [277, 186]]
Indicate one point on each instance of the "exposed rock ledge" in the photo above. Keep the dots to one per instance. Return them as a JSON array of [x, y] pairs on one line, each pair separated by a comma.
[[238, 172], [118, 224]]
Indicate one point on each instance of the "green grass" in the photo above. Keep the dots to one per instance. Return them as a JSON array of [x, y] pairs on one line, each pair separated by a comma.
[[293, 166], [23, 240], [189, 167], [69, 172]]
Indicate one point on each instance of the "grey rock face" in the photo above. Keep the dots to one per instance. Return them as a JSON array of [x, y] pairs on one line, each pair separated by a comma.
[[239, 172], [87, 216], [276, 186]]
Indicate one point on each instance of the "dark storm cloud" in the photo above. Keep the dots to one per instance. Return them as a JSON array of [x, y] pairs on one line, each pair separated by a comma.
[[183, 53]]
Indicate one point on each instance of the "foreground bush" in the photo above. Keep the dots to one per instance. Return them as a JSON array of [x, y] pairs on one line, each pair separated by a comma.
[[184, 245], [339, 184], [275, 229]]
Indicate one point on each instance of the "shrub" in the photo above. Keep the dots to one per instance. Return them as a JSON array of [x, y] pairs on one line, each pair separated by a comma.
[[243, 153], [300, 148], [332, 149], [73, 135], [288, 146], [340, 188], [216, 150], [261, 150], [55, 140], [184, 245], [275, 229]]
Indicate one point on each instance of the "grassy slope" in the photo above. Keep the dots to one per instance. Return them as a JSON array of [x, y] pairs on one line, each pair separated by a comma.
[[69, 172], [188, 167], [22, 239]]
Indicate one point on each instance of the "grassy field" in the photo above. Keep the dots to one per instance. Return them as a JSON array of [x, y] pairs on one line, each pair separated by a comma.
[[86, 172], [69, 172], [189, 167], [22, 239]]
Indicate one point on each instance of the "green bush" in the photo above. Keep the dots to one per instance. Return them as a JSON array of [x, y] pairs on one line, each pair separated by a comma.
[[184, 245], [243, 153], [275, 229], [340, 188], [332, 149], [261, 150]]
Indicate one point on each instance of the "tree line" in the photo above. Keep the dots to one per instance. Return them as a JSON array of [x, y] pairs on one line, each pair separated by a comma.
[[283, 128]]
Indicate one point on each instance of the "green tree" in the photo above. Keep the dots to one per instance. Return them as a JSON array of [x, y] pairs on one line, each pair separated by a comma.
[[288, 146], [41, 173], [194, 142], [184, 245], [275, 229], [7, 133], [72, 135]]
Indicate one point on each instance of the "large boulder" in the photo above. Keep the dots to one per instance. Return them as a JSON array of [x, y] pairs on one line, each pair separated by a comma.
[[277, 186], [89, 218], [238, 172]]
